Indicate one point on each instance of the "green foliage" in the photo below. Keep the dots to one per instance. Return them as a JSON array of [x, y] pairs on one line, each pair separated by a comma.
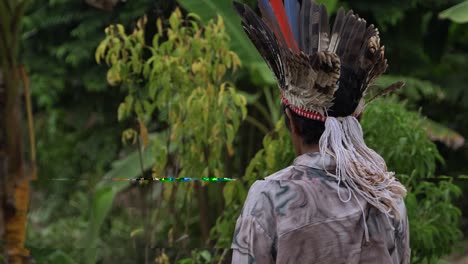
[[115, 181], [60, 41], [433, 220], [180, 86], [183, 82], [53, 257], [277, 153], [198, 256], [209, 9], [59, 229], [331, 5], [77, 124], [416, 91], [407, 150], [60, 257], [401, 141], [391, 13]]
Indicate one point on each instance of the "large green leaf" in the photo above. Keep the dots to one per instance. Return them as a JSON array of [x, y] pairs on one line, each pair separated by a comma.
[[128, 167], [261, 74], [457, 13]]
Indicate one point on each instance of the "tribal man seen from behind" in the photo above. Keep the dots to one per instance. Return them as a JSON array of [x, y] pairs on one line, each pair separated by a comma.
[[336, 203]]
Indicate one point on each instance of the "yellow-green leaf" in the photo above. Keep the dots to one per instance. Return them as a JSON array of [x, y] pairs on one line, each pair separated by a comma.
[[113, 77], [136, 232]]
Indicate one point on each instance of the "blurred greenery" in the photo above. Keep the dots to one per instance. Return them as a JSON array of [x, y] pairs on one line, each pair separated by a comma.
[[169, 77]]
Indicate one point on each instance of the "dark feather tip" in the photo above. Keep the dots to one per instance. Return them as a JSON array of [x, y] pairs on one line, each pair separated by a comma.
[[239, 7]]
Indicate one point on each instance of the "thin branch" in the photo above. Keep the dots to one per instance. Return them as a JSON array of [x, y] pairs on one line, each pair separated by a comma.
[[264, 112], [257, 124], [223, 255], [271, 105]]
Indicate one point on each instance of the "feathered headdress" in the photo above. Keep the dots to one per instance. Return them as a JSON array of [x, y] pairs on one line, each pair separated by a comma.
[[323, 75]]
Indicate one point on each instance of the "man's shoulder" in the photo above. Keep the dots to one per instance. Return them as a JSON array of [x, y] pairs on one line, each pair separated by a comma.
[[287, 178], [262, 190], [296, 173], [281, 174]]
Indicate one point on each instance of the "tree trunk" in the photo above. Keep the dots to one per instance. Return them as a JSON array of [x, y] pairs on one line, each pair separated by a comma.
[[202, 200], [3, 168], [14, 183], [14, 188]]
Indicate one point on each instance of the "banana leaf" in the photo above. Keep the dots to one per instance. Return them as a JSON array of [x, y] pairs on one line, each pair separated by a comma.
[[457, 13], [112, 183]]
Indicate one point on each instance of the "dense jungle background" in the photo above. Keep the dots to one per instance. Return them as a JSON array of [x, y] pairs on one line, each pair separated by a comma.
[[149, 89]]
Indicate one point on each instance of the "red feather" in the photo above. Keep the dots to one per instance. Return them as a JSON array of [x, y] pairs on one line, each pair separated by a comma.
[[280, 13]]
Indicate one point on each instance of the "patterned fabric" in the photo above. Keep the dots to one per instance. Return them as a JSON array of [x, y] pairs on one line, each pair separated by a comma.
[[296, 216]]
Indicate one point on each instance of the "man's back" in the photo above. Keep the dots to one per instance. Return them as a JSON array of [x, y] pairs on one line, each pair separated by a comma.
[[296, 216], [301, 215]]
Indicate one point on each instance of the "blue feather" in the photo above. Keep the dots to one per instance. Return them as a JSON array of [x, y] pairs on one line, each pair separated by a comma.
[[265, 6], [270, 18], [292, 10]]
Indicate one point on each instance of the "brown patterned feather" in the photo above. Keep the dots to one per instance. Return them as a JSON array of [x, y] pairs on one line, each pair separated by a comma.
[[311, 80], [324, 37], [314, 29], [336, 31], [355, 43], [263, 39], [345, 34]]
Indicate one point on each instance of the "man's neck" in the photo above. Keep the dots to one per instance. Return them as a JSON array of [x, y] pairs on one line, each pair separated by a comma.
[[308, 149]]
